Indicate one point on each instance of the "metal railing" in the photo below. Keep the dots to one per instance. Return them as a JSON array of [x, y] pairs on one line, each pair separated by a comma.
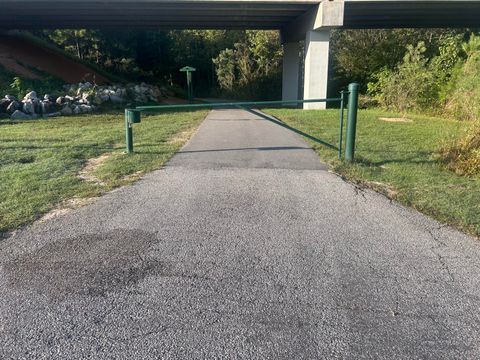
[[133, 116]]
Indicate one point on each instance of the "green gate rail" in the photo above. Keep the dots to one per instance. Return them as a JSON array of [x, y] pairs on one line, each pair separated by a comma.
[[133, 116]]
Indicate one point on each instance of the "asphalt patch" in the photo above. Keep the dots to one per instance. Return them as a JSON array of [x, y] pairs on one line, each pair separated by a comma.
[[89, 264]]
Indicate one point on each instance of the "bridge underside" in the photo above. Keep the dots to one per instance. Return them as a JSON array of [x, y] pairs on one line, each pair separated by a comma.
[[151, 14], [228, 14], [307, 20]]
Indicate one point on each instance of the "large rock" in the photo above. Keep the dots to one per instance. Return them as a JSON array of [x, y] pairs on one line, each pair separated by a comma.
[[85, 86], [37, 106], [28, 107], [85, 108], [121, 92], [54, 114], [88, 96], [99, 99], [48, 107], [32, 95], [18, 115], [48, 97], [10, 97], [4, 103], [77, 110], [66, 110], [4, 116], [14, 105], [116, 99], [60, 100]]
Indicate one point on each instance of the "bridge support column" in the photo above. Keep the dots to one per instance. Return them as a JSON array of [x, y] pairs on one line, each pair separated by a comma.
[[291, 69], [317, 45]]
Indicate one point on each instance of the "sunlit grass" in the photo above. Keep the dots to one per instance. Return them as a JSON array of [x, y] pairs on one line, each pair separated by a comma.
[[398, 158], [40, 159]]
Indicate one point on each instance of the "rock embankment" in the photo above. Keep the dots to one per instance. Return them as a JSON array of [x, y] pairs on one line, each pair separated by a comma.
[[79, 98]]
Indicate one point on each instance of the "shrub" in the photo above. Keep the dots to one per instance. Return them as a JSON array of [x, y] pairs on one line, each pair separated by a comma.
[[463, 90], [47, 85], [252, 69], [463, 155], [411, 86]]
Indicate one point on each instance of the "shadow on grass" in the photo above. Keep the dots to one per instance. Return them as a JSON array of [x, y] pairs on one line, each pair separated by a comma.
[[366, 162], [10, 122], [281, 123], [56, 147]]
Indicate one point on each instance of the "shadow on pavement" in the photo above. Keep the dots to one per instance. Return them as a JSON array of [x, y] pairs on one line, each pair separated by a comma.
[[281, 123]]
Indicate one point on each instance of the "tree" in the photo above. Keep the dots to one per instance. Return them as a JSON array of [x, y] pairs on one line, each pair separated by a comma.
[[411, 85], [85, 44], [359, 54], [252, 68]]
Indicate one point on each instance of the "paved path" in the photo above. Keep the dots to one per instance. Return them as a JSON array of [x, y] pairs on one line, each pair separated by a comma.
[[244, 246]]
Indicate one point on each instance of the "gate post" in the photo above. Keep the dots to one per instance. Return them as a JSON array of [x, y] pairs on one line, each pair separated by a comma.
[[351, 122], [131, 117], [128, 132]]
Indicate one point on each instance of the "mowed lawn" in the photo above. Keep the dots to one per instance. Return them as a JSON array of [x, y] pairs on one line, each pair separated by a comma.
[[40, 160], [399, 159]]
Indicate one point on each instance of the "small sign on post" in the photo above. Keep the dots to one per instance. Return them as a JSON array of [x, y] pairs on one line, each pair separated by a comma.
[[189, 70]]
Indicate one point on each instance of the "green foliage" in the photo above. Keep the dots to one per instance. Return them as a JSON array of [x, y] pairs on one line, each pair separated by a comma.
[[419, 82], [197, 48], [252, 69], [463, 154], [226, 69], [152, 56], [463, 102], [47, 85], [411, 86], [5, 81], [445, 65], [358, 55], [83, 43], [462, 93]]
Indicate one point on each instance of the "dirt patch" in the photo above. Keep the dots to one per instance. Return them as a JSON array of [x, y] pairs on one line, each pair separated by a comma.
[[382, 188], [132, 177], [396, 120], [172, 100], [15, 49], [182, 137], [86, 174], [14, 67], [67, 206]]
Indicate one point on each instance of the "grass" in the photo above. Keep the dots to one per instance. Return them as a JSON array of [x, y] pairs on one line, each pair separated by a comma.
[[40, 160], [399, 159]]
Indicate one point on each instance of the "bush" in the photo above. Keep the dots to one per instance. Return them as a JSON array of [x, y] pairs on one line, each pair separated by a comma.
[[463, 155], [463, 90], [411, 86], [47, 85], [252, 69]]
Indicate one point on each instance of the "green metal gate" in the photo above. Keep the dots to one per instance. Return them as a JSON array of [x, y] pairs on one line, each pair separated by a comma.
[[133, 116]]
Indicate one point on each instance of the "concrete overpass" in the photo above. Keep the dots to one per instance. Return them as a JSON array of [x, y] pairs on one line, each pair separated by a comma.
[[308, 20]]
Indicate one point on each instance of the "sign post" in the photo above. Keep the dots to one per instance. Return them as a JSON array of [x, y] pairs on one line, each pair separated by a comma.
[[189, 70]]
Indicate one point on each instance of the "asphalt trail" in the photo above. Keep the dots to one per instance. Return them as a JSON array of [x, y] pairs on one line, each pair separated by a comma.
[[243, 246]]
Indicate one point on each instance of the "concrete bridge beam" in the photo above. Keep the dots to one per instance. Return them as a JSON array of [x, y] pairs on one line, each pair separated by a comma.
[[317, 46], [313, 27], [291, 70]]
